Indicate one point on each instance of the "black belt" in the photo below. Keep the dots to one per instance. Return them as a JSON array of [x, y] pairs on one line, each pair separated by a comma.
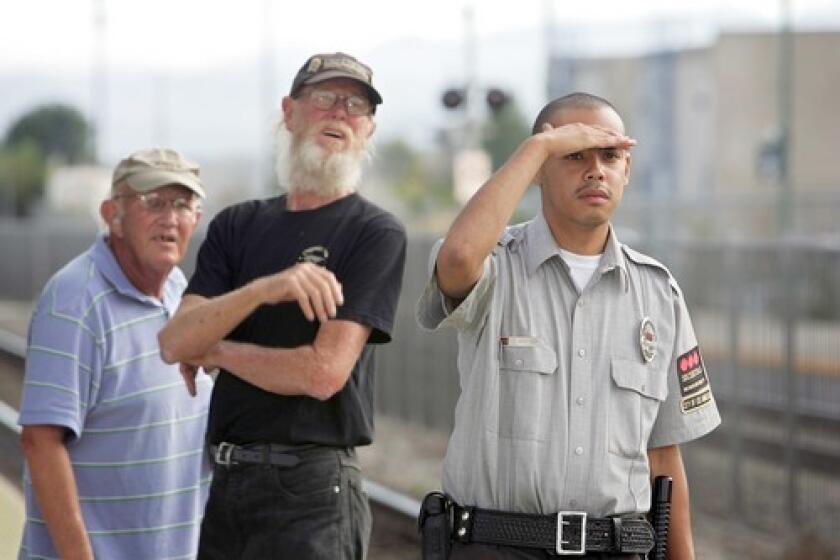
[[228, 454], [567, 532]]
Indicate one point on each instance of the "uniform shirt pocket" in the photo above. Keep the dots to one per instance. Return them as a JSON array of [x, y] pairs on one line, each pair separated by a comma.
[[636, 392], [526, 378]]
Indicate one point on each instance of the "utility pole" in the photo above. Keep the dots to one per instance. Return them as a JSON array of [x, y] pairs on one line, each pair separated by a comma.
[[788, 262], [98, 80], [785, 108], [268, 104]]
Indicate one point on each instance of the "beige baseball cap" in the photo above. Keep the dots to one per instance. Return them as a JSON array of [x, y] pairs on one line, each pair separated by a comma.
[[149, 169]]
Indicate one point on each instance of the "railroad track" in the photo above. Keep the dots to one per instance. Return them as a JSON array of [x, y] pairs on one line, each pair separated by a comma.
[[395, 535]]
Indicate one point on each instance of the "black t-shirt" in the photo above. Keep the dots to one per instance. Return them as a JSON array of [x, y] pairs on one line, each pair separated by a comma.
[[364, 247]]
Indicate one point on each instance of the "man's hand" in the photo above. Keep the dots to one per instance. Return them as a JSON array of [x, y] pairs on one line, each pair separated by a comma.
[[315, 288], [576, 137]]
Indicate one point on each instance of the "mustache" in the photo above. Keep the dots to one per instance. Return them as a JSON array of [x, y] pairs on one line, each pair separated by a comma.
[[339, 126], [593, 187]]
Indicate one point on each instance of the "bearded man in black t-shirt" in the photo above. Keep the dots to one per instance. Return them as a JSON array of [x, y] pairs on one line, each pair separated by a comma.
[[288, 296]]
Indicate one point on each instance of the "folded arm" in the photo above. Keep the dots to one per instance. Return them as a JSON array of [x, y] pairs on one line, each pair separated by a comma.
[[201, 322], [318, 370]]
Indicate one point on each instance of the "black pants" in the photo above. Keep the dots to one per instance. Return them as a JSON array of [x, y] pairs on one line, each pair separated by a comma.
[[315, 510], [492, 552]]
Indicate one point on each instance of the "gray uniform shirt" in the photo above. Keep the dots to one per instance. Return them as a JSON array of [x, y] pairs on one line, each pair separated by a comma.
[[560, 398]]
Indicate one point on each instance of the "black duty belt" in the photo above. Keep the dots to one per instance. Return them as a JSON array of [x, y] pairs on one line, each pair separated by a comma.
[[228, 454], [565, 533]]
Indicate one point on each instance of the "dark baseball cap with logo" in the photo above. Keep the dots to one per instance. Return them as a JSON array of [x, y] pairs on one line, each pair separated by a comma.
[[326, 66]]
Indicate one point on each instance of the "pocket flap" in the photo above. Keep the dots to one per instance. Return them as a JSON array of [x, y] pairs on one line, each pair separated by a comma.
[[539, 358], [630, 374]]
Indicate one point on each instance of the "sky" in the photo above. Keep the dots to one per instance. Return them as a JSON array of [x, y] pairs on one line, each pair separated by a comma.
[[173, 67], [189, 34]]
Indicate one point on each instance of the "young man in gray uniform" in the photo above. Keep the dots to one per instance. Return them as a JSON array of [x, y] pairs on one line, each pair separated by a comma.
[[579, 368]]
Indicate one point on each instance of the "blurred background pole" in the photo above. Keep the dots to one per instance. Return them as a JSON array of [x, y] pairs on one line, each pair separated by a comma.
[[471, 139], [788, 261], [269, 105], [785, 92], [549, 31], [98, 80]]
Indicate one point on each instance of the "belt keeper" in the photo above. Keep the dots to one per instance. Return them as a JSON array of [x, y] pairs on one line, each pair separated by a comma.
[[617, 525], [463, 524], [266, 454]]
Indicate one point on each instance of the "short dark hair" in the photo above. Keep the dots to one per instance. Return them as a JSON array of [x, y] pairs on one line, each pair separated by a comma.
[[576, 100]]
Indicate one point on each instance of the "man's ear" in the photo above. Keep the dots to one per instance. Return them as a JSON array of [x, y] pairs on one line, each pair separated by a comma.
[[372, 127], [111, 216], [287, 105]]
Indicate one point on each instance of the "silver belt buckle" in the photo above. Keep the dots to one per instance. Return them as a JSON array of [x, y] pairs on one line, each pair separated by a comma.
[[223, 453], [578, 550]]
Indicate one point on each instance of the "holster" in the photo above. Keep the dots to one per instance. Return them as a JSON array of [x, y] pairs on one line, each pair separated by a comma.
[[435, 526]]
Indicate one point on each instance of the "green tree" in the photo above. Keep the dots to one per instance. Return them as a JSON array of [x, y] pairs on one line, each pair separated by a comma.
[[23, 170], [503, 132], [60, 132], [411, 179], [49, 133]]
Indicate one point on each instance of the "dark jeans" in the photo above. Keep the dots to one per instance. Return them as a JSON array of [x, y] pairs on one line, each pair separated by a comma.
[[493, 552], [311, 511]]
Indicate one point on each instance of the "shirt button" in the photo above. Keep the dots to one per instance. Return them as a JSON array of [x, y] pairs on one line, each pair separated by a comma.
[[579, 451], [580, 401], [573, 503], [581, 302], [519, 362], [581, 352]]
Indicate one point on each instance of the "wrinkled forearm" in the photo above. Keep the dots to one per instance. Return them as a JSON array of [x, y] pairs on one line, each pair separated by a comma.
[[201, 322], [284, 371], [318, 370]]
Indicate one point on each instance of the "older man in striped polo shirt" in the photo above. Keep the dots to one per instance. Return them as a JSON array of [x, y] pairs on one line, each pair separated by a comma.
[[113, 443]]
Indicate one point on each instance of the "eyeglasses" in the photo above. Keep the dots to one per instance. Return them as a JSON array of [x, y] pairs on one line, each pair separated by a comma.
[[157, 203], [356, 105]]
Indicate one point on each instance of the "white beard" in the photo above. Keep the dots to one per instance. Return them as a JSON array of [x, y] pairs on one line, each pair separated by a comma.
[[302, 166]]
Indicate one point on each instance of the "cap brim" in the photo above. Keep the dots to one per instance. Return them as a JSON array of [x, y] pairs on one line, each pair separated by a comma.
[[332, 74], [151, 180]]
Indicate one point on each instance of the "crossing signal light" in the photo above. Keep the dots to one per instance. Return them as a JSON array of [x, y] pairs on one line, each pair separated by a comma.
[[496, 99], [453, 98]]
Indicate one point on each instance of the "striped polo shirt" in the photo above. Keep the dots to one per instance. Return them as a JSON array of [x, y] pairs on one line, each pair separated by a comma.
[[135, 436]]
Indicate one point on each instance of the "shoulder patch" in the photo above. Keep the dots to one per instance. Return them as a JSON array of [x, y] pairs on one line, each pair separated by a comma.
[[694, 385]]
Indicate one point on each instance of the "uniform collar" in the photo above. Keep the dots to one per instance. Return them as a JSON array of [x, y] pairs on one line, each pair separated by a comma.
[[614, 259], [541, 246], [113, 273]]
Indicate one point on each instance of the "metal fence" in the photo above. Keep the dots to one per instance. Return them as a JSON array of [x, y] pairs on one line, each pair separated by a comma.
[[768, 319]]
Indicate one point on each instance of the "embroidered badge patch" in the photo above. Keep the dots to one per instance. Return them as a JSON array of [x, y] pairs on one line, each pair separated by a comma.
[[694, 385]]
